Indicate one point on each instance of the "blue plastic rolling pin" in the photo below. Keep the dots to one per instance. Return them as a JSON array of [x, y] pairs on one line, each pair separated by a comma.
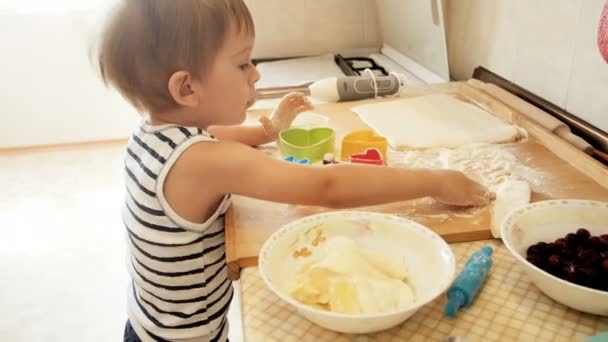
[[464, 289]]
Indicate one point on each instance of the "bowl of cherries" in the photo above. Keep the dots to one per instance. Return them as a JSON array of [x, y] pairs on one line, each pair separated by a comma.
[[563, 248]]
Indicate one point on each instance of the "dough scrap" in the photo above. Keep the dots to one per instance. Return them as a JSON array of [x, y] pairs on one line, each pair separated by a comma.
[[510, 195]]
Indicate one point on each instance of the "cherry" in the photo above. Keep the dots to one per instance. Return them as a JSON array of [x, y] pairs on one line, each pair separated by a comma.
[[594, 241], [570, 273], [578, 257], [583, 234], [571, 239], [561, 243], [554, 261]]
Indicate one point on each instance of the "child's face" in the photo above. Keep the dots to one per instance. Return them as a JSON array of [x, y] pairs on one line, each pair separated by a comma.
[[229, 87]]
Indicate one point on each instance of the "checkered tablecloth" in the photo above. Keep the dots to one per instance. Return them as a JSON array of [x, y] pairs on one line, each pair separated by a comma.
[[509, 308]]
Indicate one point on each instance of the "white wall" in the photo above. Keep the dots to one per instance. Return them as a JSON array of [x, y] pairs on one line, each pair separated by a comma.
[[546, 46], [309, 27], [50, 93]]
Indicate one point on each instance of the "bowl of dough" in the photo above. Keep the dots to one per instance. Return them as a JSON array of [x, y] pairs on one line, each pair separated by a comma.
[[356, 272], [562, 245]]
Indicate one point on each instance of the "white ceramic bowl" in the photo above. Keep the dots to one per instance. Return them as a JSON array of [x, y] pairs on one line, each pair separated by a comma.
[[430, 263], [550, 220]]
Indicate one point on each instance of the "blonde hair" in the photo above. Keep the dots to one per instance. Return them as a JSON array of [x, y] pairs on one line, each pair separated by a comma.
[[146, 41]]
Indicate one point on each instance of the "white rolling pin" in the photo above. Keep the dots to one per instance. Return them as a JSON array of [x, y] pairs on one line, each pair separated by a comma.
[[535, 114], [352, 88]]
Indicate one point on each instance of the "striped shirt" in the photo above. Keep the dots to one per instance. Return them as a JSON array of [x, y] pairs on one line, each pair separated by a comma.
[[180, 288]]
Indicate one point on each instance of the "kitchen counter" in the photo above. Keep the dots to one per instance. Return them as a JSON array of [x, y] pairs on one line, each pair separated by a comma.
[[508, 308], [554, 168]]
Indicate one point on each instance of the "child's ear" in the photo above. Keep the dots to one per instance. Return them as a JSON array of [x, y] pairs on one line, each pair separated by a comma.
[[184, 89]]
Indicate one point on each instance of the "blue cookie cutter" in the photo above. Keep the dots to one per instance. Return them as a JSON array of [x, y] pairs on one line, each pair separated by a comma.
[[293, 159], [603, 337]]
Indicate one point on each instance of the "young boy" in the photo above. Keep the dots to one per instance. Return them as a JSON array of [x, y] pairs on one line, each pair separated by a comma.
[[186, 65]]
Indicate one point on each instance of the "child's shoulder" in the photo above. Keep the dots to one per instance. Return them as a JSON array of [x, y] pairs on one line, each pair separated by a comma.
[[166, 139], [159, 147], [171, 131]]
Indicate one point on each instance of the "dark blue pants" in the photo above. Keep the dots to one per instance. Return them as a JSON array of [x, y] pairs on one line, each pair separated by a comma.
[[130, 335]]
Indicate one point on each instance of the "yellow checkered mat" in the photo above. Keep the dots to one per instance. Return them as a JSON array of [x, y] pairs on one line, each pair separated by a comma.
[[509, 308]]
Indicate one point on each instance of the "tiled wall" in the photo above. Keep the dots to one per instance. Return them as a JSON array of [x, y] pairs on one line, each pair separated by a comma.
[[416, 29], [546, 46], [307, 27]]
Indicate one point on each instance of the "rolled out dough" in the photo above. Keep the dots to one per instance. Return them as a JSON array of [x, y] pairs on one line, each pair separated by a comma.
[[434, 121]]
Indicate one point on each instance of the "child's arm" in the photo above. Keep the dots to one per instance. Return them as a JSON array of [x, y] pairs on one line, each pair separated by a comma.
[[248, 135], [281, 118], [226, 167]]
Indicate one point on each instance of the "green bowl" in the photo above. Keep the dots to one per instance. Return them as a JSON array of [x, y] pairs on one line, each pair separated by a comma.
[[311, 144]]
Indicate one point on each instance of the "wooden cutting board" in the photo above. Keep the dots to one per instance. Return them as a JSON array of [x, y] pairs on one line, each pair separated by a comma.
[[570, 174]]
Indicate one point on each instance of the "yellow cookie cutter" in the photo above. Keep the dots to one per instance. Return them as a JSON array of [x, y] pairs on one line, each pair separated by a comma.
[[359, 141]]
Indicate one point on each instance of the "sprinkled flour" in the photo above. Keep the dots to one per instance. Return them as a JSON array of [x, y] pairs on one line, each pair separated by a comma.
[[488, 164]]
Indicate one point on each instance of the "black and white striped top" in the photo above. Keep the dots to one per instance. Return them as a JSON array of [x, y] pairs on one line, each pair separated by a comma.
[[180, 288]]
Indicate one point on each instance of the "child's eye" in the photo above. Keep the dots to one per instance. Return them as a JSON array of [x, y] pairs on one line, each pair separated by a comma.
[[245, 66]]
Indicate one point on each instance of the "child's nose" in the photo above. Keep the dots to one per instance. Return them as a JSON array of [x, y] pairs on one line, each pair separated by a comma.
[[255, 75]]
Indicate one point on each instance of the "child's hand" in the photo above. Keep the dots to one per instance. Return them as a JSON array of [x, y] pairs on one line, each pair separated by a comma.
[[458, 189], [281, 118]]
